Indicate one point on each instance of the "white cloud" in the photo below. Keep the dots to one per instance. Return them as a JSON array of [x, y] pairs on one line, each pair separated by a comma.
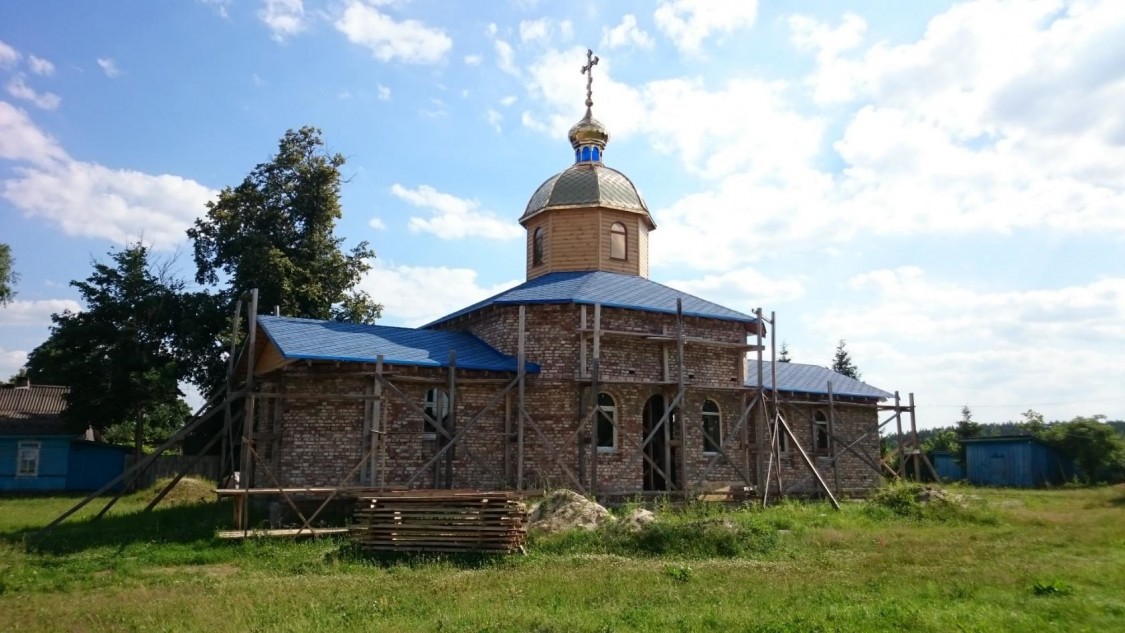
[[11, 361], [506, 58], [8, 56], [219, 5], [953, 134], [535, 30], [494, 119], [284, 18], [625, 34], [109, 67], [415, 295], [377, 224], [972, 345], [88, 199], [409, 41], [40, 66], [743, 289], [116, 204], [454, 218], [21, 140], [383, 92], [508, 100], [20, 90], [689, 22], [36, 313], [473, 60]]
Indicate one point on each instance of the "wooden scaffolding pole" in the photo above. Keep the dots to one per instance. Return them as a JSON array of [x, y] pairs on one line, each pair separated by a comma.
[[521, 358], [451, 427], [901, 448], [832, 438], [594, 393], [226, 458], [681, 386], [378, 437]]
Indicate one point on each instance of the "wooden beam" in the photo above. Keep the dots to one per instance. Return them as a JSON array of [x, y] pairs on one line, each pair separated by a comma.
[[521, 358]]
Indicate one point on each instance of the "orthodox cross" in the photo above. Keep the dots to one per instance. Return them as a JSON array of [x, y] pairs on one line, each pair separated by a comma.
[[588, 70]]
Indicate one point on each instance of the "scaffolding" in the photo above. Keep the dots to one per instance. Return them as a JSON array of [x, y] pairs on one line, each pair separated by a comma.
[[250, 436]]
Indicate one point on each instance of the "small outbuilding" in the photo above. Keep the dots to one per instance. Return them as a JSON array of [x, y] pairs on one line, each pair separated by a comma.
[[1018, 461], [947, 466], [37, 451]]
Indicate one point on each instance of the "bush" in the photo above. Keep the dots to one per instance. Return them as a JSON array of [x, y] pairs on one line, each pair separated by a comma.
[[920, 502], [672, 536]]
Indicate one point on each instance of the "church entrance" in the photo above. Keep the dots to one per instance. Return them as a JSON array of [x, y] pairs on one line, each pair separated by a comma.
[[660, 449]]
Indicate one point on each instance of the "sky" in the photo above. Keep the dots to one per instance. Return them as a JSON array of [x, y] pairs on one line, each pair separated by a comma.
[[941, 185]]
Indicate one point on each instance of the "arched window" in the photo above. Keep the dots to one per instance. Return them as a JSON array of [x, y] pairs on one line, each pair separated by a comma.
[[820, 428], [436, 408], [607, 422], [537, 239], [618, 238], [712, 427]]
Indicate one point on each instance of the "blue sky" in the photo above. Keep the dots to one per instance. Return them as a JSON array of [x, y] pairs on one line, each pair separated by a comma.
[[940, 184]]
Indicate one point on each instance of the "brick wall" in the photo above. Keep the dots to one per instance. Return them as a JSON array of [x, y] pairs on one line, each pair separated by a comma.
[[321, 439]]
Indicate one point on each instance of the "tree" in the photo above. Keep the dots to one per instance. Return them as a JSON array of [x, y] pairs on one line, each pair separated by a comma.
[[1033, 422], [942, 440], [784, 357], [842, 362], [118, 356], [8, 276], [275, 232], [966, 427], [1094, 446]]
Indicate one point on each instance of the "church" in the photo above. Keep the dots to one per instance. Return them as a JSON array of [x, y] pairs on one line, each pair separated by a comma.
[[588, 376]]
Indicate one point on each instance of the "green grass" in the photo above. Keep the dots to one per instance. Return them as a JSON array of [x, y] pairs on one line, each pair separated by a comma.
[[1012, 560]]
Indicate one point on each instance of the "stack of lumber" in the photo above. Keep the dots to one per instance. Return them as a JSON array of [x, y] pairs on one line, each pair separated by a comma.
[[440, 521]]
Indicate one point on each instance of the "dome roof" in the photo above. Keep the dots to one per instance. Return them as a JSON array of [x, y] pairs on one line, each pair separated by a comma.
[[587, 184], [588, 131]]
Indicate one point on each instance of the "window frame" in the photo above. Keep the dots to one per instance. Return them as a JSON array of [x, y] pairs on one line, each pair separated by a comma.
[[29, 445], [624, 233], [431, 402], [538, 238], [820, 430], [609, 412], [717, 416]]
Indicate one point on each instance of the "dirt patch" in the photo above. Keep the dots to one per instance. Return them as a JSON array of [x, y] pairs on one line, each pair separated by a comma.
[[937, 495], [567, 510], [187, 491]]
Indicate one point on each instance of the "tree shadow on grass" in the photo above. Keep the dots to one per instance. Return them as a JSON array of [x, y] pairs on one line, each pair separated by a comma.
[[352, 552], [170, 524]]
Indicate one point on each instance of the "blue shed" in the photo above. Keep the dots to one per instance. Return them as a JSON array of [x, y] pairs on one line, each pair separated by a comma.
[[38, 453], [1018, 461], [946, 465]]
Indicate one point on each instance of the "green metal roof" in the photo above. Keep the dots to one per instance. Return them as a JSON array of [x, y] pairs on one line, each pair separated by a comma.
[[587, 185]]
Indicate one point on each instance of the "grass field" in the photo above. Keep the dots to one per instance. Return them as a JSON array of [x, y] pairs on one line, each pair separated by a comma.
[[1016, 560]]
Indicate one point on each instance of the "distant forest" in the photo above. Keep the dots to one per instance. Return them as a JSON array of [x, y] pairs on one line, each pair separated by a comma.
[[987, 429]]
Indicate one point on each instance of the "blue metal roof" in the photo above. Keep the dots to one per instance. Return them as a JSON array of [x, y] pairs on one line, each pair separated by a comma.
[[611, 290], [310, 339], [800, 378]]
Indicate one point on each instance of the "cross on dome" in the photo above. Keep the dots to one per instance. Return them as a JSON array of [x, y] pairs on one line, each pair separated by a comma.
[[588, 137]]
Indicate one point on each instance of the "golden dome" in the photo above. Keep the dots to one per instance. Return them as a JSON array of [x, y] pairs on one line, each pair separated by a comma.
[[588, 131]]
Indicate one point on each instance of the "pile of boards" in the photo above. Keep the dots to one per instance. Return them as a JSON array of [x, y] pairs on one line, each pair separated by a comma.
[[440, 521]]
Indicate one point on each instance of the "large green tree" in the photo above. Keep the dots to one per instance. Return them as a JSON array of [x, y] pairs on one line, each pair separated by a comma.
[[1094, 446], [119, 354], [842, 362], [275, 232], [8, 275]]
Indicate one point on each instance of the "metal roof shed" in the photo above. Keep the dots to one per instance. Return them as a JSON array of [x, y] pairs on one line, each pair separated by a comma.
[[1018, 461]]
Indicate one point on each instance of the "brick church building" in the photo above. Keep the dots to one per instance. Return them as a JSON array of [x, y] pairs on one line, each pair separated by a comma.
[[588, 376]]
